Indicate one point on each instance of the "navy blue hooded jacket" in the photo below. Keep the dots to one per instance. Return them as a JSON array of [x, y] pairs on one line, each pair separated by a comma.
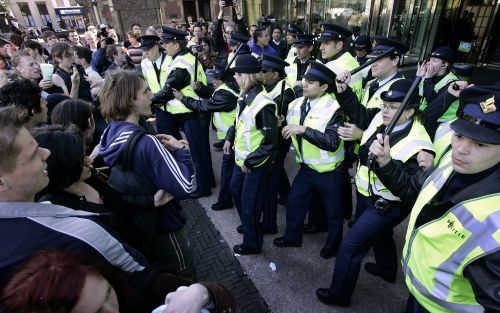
[[155, 166]]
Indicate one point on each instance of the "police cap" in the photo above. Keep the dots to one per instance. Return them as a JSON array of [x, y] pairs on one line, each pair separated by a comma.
[[271, 62], [479, 114], [383, 43], [319, 72], [445, 54], [237, 38], [294, 29], [398, 91], [170, 34], [363, 42], [246, 63], [148, 41], [304, 40], [331, 31]]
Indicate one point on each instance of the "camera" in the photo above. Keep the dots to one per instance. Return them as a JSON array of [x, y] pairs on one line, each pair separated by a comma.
[[229, 3], [268, 21], [196, 48], [382, 205], [103, 31]]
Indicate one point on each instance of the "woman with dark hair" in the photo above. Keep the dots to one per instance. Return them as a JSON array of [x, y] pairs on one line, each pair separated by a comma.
[[74, 183], [55, 281], [78, 113], [207, 56]]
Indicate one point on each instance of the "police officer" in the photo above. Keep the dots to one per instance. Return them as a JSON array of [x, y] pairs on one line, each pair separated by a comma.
[[234, 41], [378, 209], [181, 77], [304, 45], [362, 46], [451, 258], [292, 31], [335, 53], [223, 106], [255, 138], [155, 70], [273, 78], [311, 123], [437, 76]]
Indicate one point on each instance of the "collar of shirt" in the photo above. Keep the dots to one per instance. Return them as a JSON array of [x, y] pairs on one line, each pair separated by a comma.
[[402, 126], [277, 42], [313, 102], [381, 83], [158, 61]]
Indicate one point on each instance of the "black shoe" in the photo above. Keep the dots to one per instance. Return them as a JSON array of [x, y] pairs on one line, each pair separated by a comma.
[[196, 195], [324, 296], [328, 251], [313, 229], [244, 250], [219, 206], [282, 243], [373, 269], [219, 144], [239, 229]]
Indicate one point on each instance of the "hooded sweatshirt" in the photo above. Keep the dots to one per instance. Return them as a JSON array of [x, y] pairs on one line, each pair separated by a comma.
[[155, 166]]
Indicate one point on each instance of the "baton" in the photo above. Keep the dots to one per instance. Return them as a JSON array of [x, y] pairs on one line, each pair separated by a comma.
[[282, 97], [371, 61], [196, 67], [234, 57], [388, 130]]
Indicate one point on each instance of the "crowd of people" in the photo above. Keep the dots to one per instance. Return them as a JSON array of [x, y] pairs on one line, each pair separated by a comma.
[[99, 142]]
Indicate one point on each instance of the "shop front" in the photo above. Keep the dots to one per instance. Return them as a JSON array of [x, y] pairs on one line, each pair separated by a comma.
[[421, 24], [71, 18]]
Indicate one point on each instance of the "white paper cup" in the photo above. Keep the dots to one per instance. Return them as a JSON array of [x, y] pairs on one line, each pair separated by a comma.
[[47, 70]]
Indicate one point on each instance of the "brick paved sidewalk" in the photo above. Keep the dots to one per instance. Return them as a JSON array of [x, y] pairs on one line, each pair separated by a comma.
[[216, 262]]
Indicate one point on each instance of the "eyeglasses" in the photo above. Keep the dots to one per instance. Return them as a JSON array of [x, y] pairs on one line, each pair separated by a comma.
[[390, 107]]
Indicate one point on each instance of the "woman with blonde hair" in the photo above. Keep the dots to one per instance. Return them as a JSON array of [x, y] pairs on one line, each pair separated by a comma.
[[255, 138]]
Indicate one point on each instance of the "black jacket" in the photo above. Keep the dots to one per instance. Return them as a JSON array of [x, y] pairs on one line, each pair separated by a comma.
[[355, 111], [280, 48], [483, 273], [266, 121], [288, 96], [301, 70], [434, 110], [221, 101], [220, 46], [177, 79]]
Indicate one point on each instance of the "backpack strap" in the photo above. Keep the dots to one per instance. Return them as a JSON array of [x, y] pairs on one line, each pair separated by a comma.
[[127, 156]]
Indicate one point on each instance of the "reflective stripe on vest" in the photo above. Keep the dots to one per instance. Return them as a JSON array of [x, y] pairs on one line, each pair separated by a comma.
[[149, 73], [451, 113], [375, 101], [416, 140], [248, 137], [442, 140], [291, 73], [223, 120], [317, 118], [436, 253], [185, 61], [292, 53], [347, 62], [277, 89]]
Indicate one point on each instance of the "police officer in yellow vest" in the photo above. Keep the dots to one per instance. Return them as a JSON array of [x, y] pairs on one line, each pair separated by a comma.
[[304, 45], [312, 124], [451, 258], [255, 138], [335, 53], [292, 31], [222, 105], [155, 70], [273, 78], [181, 77], [378, 209], [437, 76]]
